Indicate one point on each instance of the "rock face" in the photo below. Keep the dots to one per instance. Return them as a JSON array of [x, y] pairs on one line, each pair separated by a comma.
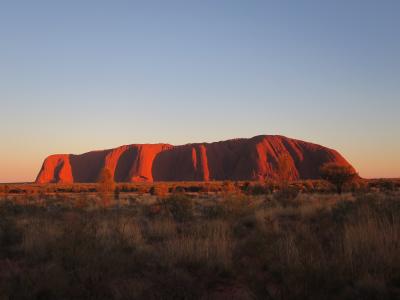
[[238, 159]]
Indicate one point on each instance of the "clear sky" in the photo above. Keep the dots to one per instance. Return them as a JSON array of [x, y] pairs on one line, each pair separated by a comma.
[[83, 75]]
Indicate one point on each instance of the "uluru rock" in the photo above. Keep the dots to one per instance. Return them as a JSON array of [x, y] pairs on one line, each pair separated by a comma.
[[238, 159]]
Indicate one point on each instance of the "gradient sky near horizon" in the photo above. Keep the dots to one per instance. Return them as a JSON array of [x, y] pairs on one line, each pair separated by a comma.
[[84, 75]]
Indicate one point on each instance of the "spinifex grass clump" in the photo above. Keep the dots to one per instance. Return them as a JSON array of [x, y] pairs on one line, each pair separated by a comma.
[[202, 246]]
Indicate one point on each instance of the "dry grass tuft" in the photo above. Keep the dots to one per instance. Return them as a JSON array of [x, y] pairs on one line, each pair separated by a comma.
[[196, 245], [371, 244], [209, 244]]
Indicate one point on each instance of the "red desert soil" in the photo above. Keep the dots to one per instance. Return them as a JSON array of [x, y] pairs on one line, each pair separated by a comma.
[[237, 159]]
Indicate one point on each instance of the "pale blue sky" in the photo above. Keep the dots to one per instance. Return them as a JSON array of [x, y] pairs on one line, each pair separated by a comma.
[[82, 75]]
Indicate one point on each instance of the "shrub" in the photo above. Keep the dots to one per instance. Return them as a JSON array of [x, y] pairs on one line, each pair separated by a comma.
[[359, 185], [287, 195], [316, 246], [154, 210], [308, 186], [237, 206], [214, 211], [159, 190], [257, 189], [205, 188], [246, 187], [271, 186], [81, 201], [180, 207], [387, 185], [106, 186], [338, 175], [228, 187], [177, 189]]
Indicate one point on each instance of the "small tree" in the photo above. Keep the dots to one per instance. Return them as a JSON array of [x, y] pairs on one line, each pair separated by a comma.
[[106, 186], [338, 175], [228, 187], [284, 170]]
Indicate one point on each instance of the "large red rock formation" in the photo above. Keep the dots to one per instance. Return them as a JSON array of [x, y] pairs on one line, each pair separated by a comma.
[[238, 159]]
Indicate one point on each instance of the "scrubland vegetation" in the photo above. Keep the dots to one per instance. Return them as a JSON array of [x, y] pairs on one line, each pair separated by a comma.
[[216, 240]]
